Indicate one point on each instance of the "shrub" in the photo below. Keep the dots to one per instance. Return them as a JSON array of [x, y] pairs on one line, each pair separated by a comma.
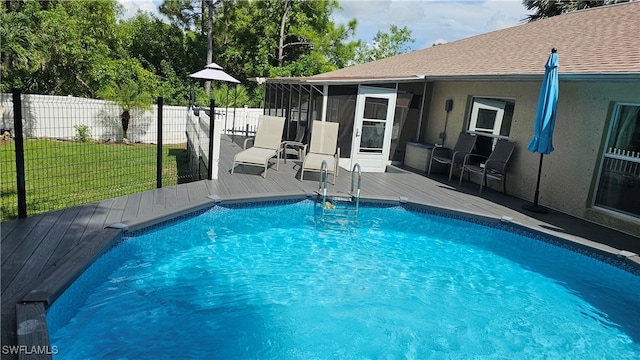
[[83, 133]]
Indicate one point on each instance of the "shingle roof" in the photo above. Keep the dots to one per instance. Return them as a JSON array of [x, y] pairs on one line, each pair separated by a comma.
[[602, 41]]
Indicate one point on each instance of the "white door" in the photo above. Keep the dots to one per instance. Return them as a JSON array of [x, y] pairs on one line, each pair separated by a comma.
[[375, 108]]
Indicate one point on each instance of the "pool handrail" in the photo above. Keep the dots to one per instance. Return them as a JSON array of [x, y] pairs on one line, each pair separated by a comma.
[[353, 173], [324, 174]]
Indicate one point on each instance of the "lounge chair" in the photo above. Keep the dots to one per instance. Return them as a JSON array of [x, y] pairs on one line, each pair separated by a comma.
[[464, 146], [266, 144], [494, 166], [323, 146]]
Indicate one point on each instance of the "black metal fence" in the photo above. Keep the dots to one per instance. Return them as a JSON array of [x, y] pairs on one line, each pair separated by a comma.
[[57, 152]]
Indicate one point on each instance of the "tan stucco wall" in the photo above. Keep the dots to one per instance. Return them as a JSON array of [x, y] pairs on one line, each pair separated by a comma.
[[568, 173]]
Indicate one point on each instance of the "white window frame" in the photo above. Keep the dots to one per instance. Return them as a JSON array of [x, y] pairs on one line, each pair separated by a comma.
[[486, 104], [610, 153], [496, 104]]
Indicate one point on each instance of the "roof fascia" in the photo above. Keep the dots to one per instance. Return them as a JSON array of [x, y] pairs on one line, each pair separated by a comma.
[[354, 81], [612, 77], [595, 77]]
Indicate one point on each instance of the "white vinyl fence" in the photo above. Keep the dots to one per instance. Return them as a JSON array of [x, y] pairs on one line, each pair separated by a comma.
[[58, 117]]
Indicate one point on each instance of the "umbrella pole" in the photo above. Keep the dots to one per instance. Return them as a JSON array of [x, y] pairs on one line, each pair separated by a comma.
[[535, 207], [535, 199], [235, 101]]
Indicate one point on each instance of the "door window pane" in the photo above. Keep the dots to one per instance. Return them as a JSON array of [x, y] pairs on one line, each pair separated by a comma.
[[619, 184], [375, 108], [372, 137]]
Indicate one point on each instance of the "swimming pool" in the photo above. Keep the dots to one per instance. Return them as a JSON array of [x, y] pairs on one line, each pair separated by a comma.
[[278, 281]]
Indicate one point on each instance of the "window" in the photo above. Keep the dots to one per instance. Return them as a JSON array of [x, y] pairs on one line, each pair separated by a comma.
[[490, 119], [619, 181], [373, 125]]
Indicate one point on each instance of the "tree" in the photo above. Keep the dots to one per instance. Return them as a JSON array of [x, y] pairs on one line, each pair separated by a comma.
[[20, 49], [232, 96], [163, 50], [185, 13], [300, 38], [182, 13], [67, 41], [549, 8], [127, 96], [129, 86], [62, 47], [268, 37], [385, 44]]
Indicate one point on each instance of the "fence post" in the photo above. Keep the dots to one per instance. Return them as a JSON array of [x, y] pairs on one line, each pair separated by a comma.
[[19, 139], [212, 117], [159, 147]]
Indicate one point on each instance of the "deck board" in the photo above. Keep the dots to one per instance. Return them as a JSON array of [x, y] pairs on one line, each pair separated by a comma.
[[96, 220], [13, 274], [40, 253], [33, 313], [17, 235], [197, 190], [116, 211], [132, 206], [159, 200], [182, 195], [52, 240], [7, 228], [72, 235], [146, 203]]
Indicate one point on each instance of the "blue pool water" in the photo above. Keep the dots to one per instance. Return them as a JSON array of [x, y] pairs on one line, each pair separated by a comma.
[[278, 282]]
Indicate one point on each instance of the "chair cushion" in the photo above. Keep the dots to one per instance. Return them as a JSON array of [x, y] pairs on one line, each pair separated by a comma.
[[314, 162], [255, 155]]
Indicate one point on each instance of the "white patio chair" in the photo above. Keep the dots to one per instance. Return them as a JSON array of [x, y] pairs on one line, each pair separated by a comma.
[[323, 146], [266, 144]]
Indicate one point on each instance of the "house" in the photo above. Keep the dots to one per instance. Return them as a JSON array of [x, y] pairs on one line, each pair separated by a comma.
[[393, 109]]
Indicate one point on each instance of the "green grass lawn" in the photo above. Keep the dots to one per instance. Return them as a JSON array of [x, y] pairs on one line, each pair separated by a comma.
[[60, 174]]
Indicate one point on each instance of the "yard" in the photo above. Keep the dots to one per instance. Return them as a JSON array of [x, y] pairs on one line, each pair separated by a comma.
[[60, 174]]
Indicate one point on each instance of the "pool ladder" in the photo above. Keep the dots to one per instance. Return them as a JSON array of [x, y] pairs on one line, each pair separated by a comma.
[[340, 205]]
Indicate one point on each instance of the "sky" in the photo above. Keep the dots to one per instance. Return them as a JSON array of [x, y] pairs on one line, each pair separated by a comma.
[[430, 21]]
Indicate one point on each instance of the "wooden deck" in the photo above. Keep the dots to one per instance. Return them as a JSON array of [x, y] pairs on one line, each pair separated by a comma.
[[42, 252]]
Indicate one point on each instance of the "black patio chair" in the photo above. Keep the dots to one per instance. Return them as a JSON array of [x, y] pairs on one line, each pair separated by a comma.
[[494, 166], [464, 146]]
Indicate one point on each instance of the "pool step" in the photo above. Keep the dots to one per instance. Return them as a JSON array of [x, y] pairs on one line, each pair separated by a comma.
[[338, 205]]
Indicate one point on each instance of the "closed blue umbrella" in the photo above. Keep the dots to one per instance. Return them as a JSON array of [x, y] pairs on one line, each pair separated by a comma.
[[545, 120]]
